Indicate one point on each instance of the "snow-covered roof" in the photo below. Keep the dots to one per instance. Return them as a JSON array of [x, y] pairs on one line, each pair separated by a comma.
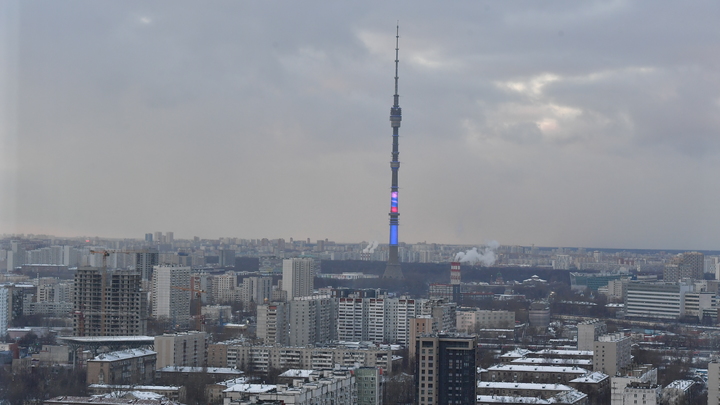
[[503, 399], [297, 373], [544, 369], [560, 352], [568, 397], [233, 381], [523, 386], [136, 387], [682, 385], [594, 377], [517, 353], [251, 388], [545, 360], [123, 354], [209, 370]]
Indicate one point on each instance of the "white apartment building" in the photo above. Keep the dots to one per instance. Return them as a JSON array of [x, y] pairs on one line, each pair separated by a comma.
[[171, 294], [298, 277], [224, 288], [379, 320], [272, 323], [352, 320], [255, 290]]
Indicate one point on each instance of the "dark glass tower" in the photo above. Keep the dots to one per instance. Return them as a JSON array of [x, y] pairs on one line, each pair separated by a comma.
[[393, 265]]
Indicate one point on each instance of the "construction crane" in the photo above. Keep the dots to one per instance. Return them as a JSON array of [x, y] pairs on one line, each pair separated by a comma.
[[107, 252]]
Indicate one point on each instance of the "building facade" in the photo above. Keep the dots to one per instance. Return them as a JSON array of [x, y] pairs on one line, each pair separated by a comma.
[[445, 369], [134, 366], [171, 294], [298, 277], [108, 303], [181, 349]]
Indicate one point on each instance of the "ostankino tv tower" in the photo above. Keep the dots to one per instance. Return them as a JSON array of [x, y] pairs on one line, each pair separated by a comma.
[[393, 264]]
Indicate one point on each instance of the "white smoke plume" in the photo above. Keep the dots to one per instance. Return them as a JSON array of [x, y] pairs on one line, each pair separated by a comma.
[[486, 257], [370, 248]]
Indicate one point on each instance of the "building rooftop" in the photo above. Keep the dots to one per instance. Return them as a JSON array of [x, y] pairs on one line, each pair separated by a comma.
[[136, 387], [107, 401], [562, 352], [123, 354], [209, 370], [502, 399], [545, 360], [524, 386], [594, 377], [517, 353], [297, 373], [252, 388], [544, 369], [682, 385]]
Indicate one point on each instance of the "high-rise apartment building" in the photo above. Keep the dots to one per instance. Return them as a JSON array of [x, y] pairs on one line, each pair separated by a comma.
[[145, 261], [713, 383], [108, 303], [300, 322], [5, 297], [445, 369], [588, 333], [369, 385], [687, 265], [611, 353], [171, 294], [298, 277], [255, 290], [377, 319], [272, 324], [311, 320], [224, 288], [187, 349]]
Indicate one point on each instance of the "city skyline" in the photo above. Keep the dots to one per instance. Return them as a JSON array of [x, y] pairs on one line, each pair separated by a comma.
[[554, 124]]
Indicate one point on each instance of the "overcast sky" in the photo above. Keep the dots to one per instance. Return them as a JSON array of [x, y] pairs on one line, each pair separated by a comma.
[[555, 123]]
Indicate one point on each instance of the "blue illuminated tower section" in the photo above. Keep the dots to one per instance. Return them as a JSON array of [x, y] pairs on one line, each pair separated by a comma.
[[393, 265]]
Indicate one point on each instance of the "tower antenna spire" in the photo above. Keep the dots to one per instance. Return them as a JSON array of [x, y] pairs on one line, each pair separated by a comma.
[[393, 270], [397, 61]]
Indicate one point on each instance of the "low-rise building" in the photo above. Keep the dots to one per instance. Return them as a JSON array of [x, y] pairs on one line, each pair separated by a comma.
[[133, 366], [335, 387], [181, 349], [565, 398], [645, 374], [499, 388], [263, 358], [175, 393], [532, 374]]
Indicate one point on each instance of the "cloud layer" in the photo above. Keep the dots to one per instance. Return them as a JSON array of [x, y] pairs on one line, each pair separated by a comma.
[[554, 123]]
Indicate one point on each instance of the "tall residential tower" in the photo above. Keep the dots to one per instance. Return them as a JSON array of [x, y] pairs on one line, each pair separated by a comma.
[[393, 265]]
